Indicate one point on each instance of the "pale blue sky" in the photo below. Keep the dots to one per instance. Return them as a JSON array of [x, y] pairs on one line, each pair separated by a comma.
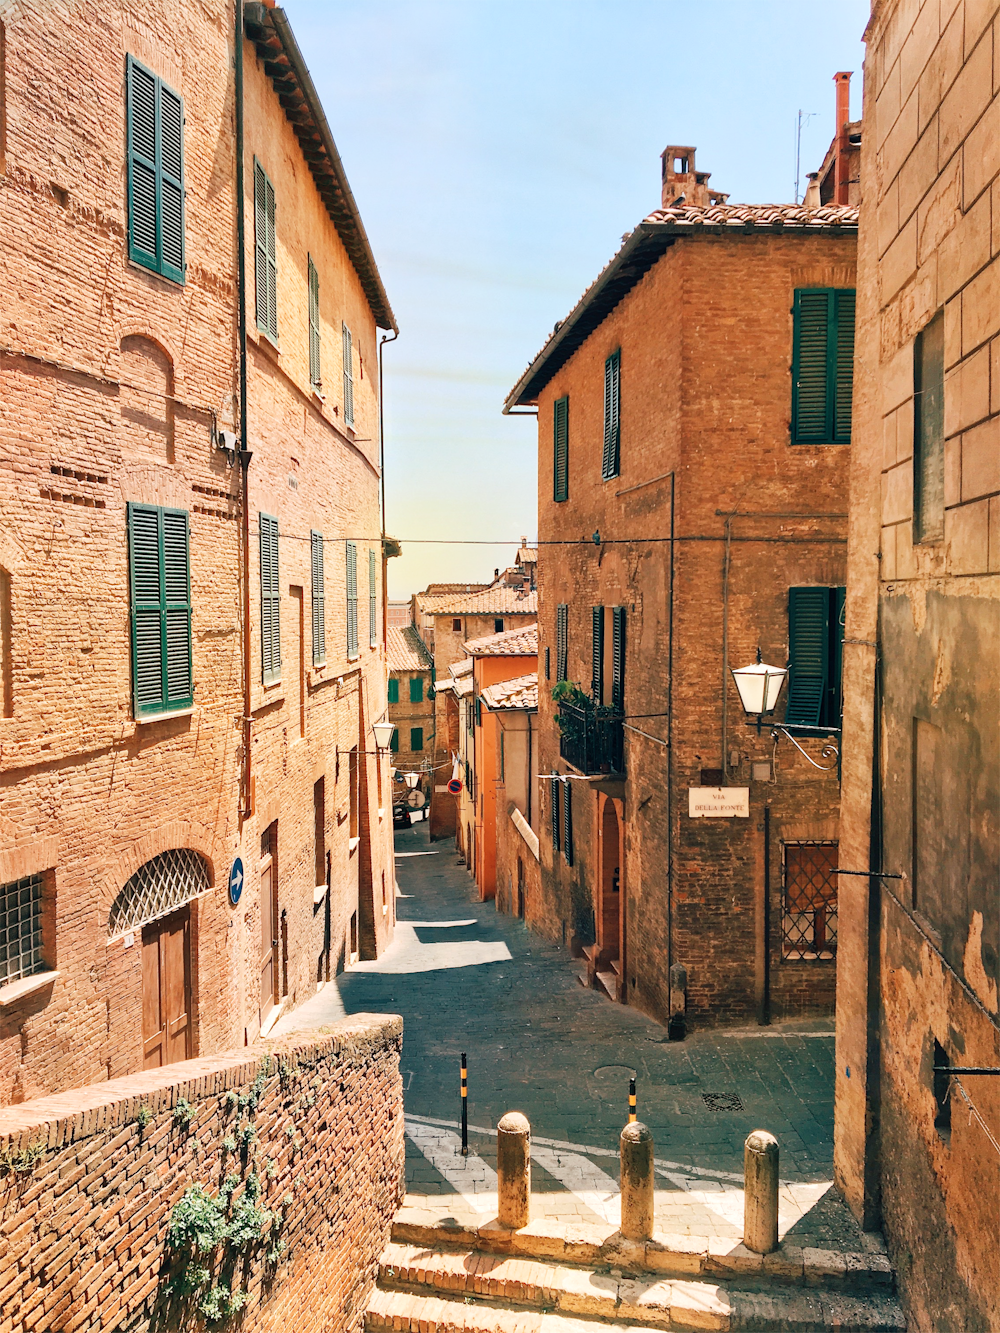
[[498, 151]]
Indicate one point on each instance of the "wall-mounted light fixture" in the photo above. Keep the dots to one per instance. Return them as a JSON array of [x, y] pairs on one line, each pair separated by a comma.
[[759, 687], [382, 731]]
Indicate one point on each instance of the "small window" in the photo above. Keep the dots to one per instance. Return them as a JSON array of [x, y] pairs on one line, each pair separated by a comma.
[[348, 377], [611, 460], [815, 649], [315, 378], [416, 689], [21, 947], [354, 779], [352, 599], [498, 627], [562, 640], [822, 365], [265, 253], [155, 128], [560, 449], [318, 601], [809, 915], [456, 626], [159, 569], [928, 432], [270, 601], [416, 738], [394, 689]]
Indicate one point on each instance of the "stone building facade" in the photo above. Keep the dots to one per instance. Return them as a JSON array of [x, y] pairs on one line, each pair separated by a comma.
[[920, 938], [694, 416], [514, 706], [190, 836], [411, 698]]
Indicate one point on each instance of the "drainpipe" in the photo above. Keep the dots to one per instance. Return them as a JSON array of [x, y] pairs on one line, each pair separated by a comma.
[[245, 454]]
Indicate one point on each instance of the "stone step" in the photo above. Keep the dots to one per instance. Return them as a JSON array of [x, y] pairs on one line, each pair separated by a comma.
[[548, 1241], [669, 1307], [609, 981]]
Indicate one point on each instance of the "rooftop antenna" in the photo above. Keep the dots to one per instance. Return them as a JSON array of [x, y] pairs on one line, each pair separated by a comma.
[[804, 118]]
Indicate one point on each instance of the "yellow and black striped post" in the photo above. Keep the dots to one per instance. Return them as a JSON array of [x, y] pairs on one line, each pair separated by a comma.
[[465, 1107], [631, 1101]]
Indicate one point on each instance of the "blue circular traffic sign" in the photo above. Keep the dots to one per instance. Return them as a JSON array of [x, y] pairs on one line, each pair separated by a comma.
[[236, 881]]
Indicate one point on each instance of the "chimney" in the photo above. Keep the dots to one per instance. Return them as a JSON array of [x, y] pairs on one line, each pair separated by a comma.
[[812, 199], [681, 185], [841, 172]]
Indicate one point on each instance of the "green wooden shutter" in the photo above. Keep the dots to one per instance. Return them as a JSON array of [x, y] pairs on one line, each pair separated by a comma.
[[808, 655], [160, 579], [844, 364], [393, 689], [352, 599], [318, 600], [479, 710], [548, 663], [562, 640], [560, 449], [416, 738], [372, 600], [618, 656], [610, 459], [348, 377], [265, 252], [394, 743], [834, 694], [416, 690], [270, 601], [554, 785], [597, 654], [567, 822], [314, 366], [155, 150]]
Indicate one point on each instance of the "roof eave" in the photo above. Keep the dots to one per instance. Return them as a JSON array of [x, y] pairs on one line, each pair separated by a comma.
[[329, 175]]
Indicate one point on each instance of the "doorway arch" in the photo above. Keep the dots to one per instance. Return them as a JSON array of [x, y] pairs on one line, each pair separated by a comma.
[[609, 917]]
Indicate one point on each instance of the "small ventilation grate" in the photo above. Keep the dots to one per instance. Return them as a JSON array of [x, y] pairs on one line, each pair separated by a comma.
[[722, 1101]]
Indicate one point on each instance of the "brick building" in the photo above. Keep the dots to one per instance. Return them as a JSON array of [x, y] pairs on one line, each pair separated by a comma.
[[918, 965], [411, 698], [693, 414], [513, 704], [446, 617], [188, 506]]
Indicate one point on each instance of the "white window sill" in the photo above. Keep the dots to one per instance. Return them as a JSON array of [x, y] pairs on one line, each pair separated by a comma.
[[16, 990], [353, 844], [319, 893], [145, 718]]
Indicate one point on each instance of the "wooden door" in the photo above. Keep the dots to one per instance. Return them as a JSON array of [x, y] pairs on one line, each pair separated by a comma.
[[268, 930], [166, 990]]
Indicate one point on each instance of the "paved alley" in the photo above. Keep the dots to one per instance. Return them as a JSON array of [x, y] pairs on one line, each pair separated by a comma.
[[465, 978]]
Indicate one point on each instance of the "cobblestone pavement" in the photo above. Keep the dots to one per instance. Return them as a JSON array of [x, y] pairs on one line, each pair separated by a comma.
[[467, 979]]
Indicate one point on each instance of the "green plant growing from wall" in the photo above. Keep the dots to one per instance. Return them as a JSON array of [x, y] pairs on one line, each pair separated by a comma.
[[23, 1161], [183, 1112], [142, 1118]]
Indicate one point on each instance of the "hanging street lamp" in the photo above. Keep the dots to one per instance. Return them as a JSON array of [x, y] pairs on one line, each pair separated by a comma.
[[759, 687]]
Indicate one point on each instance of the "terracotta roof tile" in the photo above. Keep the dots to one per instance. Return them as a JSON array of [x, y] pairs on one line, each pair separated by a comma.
[[405, 650], [498, 601], [521, 692], [520, 642]]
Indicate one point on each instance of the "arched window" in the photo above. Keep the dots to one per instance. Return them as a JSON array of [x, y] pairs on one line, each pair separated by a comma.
[[158, 888]]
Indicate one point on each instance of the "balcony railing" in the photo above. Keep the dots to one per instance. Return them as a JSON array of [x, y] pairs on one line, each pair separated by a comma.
[[592, 738]]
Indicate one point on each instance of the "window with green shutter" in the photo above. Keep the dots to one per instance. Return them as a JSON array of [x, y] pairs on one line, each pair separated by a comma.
[[479, 710], [270, 601], [318, 600], [567, 822], [822, 365], [155, 134], [394, 743], [394, 689], [265, 253], [610, 460], [416, 738], [372, 600], [348, 376], [416, 690], [160, 586], [560, 449], [315, 378], [352, 599], [618, 656], [815, 647], [562, 640], [597, 654], [554, 785]]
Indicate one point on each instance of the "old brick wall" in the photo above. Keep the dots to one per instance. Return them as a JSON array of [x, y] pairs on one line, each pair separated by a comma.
[[113, 379], [706, 411], [407, 715], [920, 958], [90, 1179]]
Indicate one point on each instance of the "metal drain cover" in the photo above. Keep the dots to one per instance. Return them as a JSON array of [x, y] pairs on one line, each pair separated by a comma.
[[722, 1101]]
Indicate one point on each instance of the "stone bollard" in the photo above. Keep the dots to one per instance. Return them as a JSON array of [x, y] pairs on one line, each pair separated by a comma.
[[760, 1182], [636, 1145], [513, 1170]]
